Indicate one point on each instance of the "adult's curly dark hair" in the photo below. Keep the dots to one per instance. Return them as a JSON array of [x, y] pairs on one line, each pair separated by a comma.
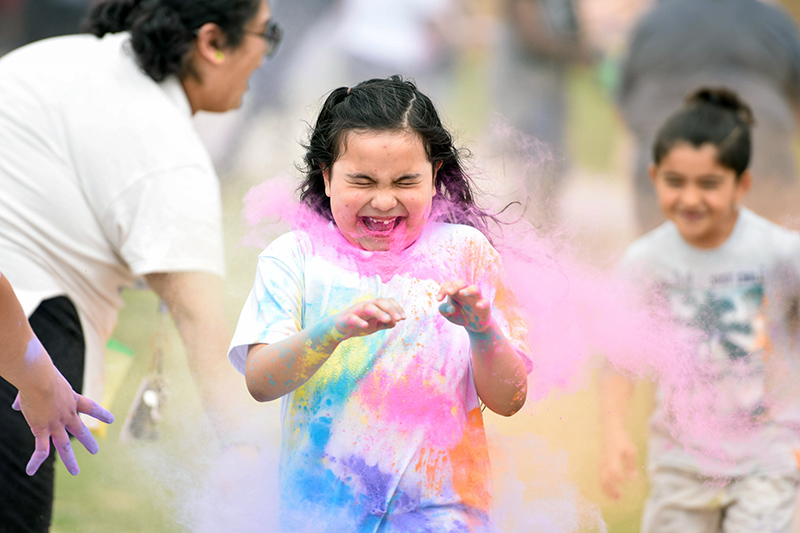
[[391, 104], [710, 115], [162, 31]]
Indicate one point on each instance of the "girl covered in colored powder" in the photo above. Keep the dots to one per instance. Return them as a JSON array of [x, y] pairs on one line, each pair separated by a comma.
[[384, 327]]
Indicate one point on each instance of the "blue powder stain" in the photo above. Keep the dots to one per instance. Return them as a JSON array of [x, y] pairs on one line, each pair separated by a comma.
[[319, 431]]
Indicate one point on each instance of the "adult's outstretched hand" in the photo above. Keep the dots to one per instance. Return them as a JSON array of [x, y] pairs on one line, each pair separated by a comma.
[[54, 412]]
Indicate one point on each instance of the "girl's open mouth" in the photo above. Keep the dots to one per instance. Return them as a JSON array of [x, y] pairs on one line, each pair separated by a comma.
[[380, 225]]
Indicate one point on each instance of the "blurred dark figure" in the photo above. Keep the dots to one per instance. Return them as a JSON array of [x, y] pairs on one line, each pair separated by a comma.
[[50, 18], [540, 40], [746, 45], [11, 31]]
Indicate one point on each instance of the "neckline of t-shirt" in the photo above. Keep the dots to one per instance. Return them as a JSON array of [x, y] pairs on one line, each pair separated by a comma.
[[427, 230], [737, 229]]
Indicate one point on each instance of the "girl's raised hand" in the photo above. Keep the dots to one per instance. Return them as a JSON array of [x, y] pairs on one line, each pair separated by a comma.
[[366, 318], [465, 305]]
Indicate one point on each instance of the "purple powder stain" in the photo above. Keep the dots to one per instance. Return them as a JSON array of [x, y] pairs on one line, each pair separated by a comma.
[[374, 482], [34, 351]]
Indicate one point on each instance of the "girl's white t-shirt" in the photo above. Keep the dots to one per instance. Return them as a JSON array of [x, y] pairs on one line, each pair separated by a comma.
[[390, 426]]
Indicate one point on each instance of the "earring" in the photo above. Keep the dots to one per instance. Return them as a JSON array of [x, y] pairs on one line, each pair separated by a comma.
[[219, 55]]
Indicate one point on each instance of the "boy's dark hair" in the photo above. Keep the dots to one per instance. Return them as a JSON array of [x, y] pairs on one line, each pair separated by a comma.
[[391, 104], [715, 116], [162, 31]]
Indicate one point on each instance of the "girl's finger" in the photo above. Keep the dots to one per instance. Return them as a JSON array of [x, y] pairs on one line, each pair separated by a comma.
[[356, 321], [390, 306], [447, 309], [450, 288], [377, 313], [472, 290]]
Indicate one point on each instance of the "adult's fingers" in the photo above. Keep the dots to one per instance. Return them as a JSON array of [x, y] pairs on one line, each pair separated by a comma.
[[64, 448], [84, 436], [94, 409], [39, 455]]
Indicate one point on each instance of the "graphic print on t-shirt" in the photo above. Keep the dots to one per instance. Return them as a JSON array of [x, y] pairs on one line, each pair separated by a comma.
[[727, 319]]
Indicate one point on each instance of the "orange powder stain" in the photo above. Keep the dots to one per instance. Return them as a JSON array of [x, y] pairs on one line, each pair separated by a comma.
[[467, 462]]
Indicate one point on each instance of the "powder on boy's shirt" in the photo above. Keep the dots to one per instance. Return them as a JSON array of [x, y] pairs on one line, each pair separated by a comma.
[[738, 303]]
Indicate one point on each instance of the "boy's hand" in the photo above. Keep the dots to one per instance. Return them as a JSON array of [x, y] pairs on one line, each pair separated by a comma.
[[465, 305], [368, 317], [618, 464]]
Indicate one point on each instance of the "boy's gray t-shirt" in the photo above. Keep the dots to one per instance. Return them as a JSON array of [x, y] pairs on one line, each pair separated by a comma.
[[738, 304]]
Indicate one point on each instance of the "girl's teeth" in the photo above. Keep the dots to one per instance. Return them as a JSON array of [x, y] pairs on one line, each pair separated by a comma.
[[379, 224]]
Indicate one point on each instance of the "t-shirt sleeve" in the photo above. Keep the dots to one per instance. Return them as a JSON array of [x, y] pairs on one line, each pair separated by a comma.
[[787, 272], [505, 308], [273, 309], [169, 221]]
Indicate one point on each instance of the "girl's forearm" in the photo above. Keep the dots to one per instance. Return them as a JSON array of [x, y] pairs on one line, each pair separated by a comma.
[[274, 370], [500, 376]]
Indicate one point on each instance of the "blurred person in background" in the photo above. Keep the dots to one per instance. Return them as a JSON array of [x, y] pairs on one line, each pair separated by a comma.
[[105, 180], [539, 41], [50, 18], [748, 46], [363, 39], [11, 22]]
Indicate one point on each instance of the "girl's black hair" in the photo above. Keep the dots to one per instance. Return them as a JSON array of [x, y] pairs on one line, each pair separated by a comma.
[[162, 31], [391, 104], [714, 116]]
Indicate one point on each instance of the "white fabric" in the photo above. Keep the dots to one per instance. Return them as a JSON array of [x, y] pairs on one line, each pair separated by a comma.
[[102, 179], [737, 302], [394, 33]]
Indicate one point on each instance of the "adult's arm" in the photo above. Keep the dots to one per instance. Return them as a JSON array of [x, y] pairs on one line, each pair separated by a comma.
[[195, 301], [46, 398]]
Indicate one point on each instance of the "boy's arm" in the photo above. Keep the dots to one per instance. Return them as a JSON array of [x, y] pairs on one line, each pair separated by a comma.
[[274, 370], [618, 463], [501, 379]]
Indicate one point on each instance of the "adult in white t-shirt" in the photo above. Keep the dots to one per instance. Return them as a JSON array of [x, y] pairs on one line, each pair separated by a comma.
[[104, 179]]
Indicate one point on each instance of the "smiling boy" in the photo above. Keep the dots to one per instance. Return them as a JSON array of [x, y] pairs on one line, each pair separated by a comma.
[[730, 280]]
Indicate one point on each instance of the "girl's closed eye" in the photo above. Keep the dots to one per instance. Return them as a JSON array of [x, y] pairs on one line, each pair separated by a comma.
[[360, 180]]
